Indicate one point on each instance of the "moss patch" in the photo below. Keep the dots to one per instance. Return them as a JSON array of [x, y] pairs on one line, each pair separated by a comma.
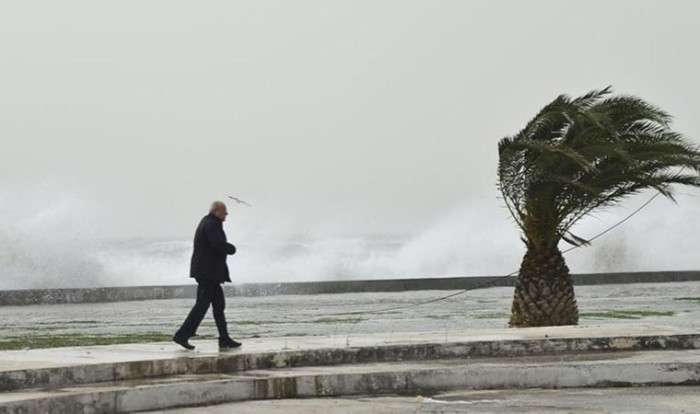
[[689, 299], [625, 314], [439, 317], [55, 341], [77, 322], [291, 321], [491, 315], [338, 320]]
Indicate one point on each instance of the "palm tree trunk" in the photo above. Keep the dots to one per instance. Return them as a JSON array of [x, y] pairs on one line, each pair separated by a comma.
[[544, 291]]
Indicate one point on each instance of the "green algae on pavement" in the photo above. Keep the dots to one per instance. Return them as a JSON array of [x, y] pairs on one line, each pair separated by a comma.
[[689, 299], [63, 340], [625, 314]]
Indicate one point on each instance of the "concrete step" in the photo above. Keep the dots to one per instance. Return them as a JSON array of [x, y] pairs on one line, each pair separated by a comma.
[[130, 396], [406, 377], [64, 367], [614, 400]]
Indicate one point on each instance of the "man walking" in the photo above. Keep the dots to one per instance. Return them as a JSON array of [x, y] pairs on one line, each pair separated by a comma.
[[209, 268]]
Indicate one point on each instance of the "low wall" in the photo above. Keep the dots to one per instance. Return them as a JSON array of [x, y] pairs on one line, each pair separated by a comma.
[[120, 294]]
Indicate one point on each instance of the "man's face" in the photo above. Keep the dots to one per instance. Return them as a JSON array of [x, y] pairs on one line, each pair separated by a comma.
[[221, 213]]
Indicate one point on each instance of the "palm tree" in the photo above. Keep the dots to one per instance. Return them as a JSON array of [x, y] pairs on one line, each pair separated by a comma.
[[576, 156]]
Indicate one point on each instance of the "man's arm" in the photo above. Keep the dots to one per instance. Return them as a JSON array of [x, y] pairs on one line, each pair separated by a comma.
[[217, 238]]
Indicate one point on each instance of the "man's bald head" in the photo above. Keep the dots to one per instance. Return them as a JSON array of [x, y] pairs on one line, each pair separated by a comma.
[[218, 208]]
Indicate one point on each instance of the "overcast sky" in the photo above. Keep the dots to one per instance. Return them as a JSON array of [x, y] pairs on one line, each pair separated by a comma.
[[360, 116]]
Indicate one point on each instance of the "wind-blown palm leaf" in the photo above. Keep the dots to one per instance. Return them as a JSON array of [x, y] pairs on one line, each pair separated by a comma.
[[580, 154]]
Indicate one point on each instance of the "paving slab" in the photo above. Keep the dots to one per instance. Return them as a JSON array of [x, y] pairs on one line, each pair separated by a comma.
[[81, 365], [407, 377], [71, 356]]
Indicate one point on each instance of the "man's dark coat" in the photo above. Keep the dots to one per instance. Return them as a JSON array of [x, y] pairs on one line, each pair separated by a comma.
[[210, 251]]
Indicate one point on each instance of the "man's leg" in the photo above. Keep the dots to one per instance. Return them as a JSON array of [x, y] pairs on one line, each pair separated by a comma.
[[204, 298], [218, 303]]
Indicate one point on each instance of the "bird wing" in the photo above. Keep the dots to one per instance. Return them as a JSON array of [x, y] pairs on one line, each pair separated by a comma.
[[239, 201]]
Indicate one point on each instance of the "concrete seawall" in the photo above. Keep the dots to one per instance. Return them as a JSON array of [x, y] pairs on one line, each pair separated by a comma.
[[129, 293]]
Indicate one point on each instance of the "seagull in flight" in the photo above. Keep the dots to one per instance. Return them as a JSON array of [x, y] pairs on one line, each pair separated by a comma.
[[239, 201]]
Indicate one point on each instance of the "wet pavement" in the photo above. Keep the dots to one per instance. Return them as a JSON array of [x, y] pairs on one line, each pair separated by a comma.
[[668, 304]]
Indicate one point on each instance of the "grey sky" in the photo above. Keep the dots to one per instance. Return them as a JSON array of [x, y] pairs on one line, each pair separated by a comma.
[[362, 116]]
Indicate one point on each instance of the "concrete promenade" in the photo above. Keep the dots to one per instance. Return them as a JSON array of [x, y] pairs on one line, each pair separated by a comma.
[[131, 293], [88, 324], [140, 377]]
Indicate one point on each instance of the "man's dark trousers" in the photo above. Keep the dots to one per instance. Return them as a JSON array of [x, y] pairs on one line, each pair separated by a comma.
[[208, 292]]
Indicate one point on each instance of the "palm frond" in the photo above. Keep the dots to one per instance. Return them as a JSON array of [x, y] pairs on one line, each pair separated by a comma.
[[580, 154]]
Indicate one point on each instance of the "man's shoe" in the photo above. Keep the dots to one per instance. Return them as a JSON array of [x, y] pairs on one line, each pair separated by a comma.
[[228, 343], [183, 343]]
